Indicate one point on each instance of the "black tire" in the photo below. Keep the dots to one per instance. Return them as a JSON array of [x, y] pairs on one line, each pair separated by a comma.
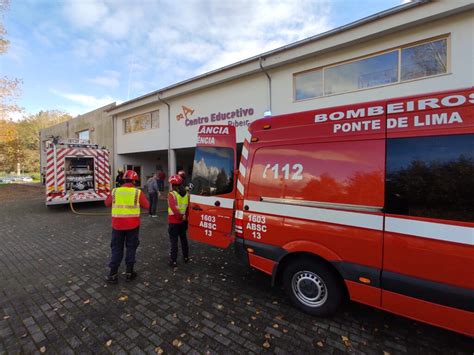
[[313, 287]]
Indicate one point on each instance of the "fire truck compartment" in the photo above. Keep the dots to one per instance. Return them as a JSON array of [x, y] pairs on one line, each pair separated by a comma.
[[79, 174]]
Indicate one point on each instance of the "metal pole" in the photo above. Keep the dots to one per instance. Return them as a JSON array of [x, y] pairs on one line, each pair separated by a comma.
[[269, 83], [169, 134]]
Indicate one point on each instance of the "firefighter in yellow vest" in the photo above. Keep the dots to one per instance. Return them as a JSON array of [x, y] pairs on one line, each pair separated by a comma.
[[126, 201], [178, 201]]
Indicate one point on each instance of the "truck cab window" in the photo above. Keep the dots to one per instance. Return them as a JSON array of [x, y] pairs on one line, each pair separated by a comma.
[[431, 177], [213, 171]]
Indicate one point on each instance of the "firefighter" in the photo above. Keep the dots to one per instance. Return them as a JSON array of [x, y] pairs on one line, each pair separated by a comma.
[[178, 201], [183, 176], [126, 202], [119, 178]]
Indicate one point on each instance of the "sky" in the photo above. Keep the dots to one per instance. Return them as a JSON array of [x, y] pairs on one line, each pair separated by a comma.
[[78, 55]]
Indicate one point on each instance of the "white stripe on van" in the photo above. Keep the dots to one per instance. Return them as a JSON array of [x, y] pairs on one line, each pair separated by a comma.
[[353, 219], [247, 135], [431, 230], [240, 187], [422, 229], [245, 152], [211, 200], [242, 170]]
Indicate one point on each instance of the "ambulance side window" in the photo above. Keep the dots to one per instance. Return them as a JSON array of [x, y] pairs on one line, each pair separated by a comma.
[[213, 171], [431, 177]]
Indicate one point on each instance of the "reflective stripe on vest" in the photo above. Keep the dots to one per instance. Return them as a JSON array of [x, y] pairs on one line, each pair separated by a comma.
[[181, 203], [125, 202]]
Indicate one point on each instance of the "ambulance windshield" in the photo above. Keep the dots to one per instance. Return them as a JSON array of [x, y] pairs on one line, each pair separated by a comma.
[[213, 171]]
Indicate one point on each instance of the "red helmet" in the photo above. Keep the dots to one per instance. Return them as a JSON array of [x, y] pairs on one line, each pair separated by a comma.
[[182, 174], [130, 175], [175, 180]]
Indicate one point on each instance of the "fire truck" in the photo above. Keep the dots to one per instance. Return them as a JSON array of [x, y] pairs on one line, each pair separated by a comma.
[[372, 202], [76, 170]]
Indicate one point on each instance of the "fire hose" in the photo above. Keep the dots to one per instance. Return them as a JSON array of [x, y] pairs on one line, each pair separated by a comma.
[[71, 198]]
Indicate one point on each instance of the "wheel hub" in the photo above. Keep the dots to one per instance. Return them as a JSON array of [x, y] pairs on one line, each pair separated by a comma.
[[309, 288]]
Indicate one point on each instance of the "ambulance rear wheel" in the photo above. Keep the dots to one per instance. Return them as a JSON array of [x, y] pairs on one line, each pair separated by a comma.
[[313, 287]]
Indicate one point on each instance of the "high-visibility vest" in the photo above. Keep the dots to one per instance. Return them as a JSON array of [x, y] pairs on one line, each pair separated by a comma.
[[181, 203], [125, 202]]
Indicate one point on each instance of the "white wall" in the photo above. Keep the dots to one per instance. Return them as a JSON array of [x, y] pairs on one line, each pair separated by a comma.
[[249, 93], [142, 141]]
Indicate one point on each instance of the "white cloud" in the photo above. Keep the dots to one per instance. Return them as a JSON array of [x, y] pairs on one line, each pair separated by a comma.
[[87, 102], [212, 34], [18, 51], [85, 13], [16, 116], [48, 34], [96, 48], [178, 40], [110, 79]]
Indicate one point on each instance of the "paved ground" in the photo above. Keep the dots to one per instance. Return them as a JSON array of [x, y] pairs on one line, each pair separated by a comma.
[[53, 299]]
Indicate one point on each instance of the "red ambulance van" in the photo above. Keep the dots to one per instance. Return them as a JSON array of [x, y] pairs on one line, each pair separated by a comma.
[[371, 201]]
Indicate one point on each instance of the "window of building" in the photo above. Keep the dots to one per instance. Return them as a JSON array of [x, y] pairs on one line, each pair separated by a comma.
[[83, 134], [213, 171], [400, 64], [424, 60], [309, 84], [365, 73], [142, 122], [431, 177]]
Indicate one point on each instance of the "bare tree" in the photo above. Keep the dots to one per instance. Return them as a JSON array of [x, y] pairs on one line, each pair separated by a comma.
[[9, 87]]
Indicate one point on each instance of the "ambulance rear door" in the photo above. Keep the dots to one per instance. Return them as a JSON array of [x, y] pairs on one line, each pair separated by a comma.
[[213, 186]]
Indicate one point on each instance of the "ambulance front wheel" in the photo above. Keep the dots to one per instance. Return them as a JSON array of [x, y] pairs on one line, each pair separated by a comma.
[[313, 287]]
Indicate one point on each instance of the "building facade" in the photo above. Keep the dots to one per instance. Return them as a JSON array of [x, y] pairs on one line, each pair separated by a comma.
[[416, 48]]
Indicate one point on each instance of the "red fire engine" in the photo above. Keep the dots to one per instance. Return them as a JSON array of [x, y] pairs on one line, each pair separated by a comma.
[[371, 201], [76, 170]]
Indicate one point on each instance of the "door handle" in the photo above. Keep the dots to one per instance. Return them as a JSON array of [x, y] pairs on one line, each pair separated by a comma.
[[197, 208], [217, 203]]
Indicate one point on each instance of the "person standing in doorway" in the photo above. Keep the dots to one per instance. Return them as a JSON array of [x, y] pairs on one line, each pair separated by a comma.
[[119, 178], [178, 201], [126, 202], [161, 181], [153, 194]]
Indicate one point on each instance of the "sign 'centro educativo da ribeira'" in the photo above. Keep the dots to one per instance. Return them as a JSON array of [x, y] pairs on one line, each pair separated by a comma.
[[238, 117]]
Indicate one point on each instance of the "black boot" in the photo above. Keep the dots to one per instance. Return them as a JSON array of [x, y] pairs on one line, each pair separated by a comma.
[[112, 277], [130, 274], [173, 263]]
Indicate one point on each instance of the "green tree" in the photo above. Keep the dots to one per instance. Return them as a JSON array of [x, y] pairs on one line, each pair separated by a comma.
[[20, 141], [28, 135]]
